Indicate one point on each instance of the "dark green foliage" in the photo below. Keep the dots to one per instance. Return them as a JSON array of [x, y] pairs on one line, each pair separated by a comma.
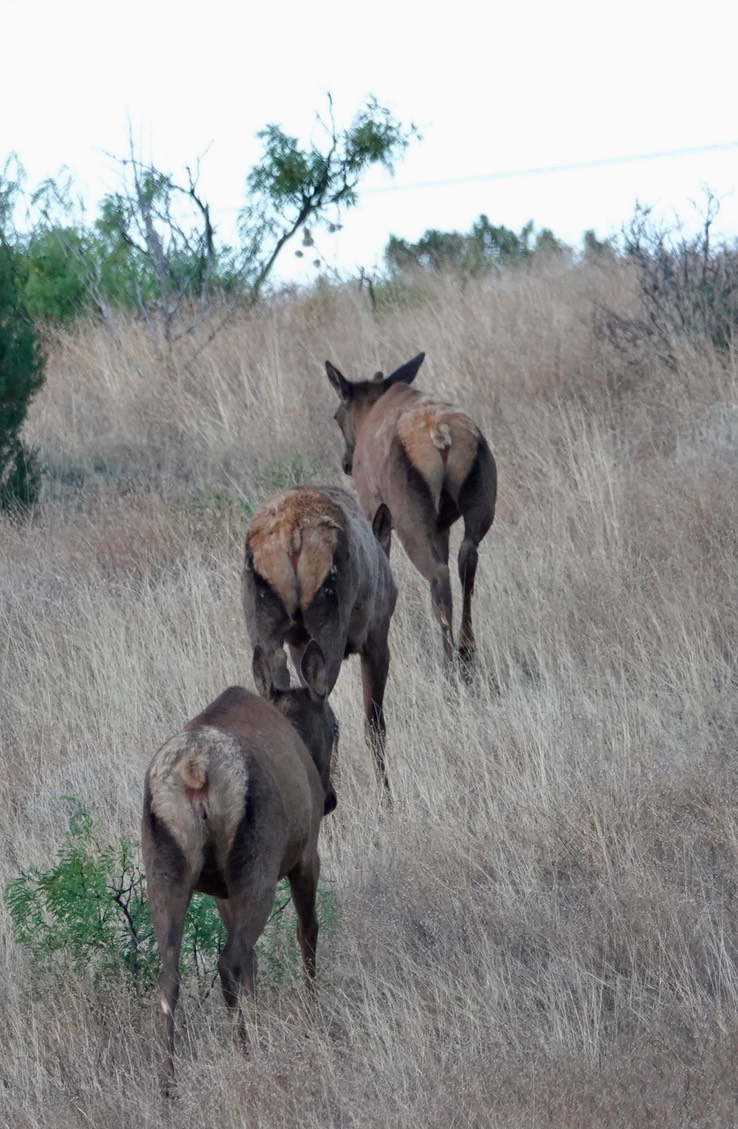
[[291, 177], [21, 376], [435, 250], [21, 480], [89, 911], [484, 249], [56, 282], [122, 273]]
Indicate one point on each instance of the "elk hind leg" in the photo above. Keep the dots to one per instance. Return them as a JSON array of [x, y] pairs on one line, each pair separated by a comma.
[[478, 518], [374, 668], [168, 909], [468, 558], [440, 586], [427, 548], [442, 604], [425, 538]]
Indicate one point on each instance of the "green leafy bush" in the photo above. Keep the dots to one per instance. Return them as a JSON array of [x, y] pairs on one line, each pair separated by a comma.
[[56, 285], [21, 376], [89, 910]]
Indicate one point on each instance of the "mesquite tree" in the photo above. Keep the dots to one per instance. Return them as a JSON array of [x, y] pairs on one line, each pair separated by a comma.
[[293, 186]]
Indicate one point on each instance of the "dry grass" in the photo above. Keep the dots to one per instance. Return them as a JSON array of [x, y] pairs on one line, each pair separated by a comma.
[[543, 929]]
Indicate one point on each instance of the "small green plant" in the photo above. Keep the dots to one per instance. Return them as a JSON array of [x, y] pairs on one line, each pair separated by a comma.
[[90, 909], [214, 507], [213, 510], [294, 471]]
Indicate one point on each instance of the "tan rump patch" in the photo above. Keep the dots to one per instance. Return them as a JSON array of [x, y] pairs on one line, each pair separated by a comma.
[[292, 539], [440, 440], [198, 781]]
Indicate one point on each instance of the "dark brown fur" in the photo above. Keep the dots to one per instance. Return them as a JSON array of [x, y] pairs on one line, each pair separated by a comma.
[[314, 568], [430, 464], [232, 804]]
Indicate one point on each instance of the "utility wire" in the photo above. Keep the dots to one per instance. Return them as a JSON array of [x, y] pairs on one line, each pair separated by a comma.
[[542, 170]]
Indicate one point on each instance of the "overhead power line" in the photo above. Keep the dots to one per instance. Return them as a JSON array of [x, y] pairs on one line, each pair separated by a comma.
[[510, 174], [541, 170]]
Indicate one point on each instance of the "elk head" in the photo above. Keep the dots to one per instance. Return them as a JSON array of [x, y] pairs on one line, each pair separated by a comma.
[[358, 399]]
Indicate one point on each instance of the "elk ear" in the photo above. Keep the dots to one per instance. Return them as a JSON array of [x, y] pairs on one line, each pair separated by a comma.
[[342, 386], [378, 378], [313, 672], [406, 373], [262, 672], [382, 527]]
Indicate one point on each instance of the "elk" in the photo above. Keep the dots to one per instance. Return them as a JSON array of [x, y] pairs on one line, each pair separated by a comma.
[[314, 568], [430, 464], [232, 804]]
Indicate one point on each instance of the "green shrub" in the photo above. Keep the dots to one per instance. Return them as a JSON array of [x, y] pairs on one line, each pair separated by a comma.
[[89, 906], [89, 910]]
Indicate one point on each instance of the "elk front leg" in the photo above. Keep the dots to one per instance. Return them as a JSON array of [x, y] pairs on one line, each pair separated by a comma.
[[304, 886], [244, 917]]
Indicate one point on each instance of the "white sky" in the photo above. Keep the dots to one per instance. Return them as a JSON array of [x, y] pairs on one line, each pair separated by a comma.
[[493, 89]]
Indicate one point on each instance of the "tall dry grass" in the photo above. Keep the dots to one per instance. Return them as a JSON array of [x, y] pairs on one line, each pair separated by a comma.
[[543, 929]]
